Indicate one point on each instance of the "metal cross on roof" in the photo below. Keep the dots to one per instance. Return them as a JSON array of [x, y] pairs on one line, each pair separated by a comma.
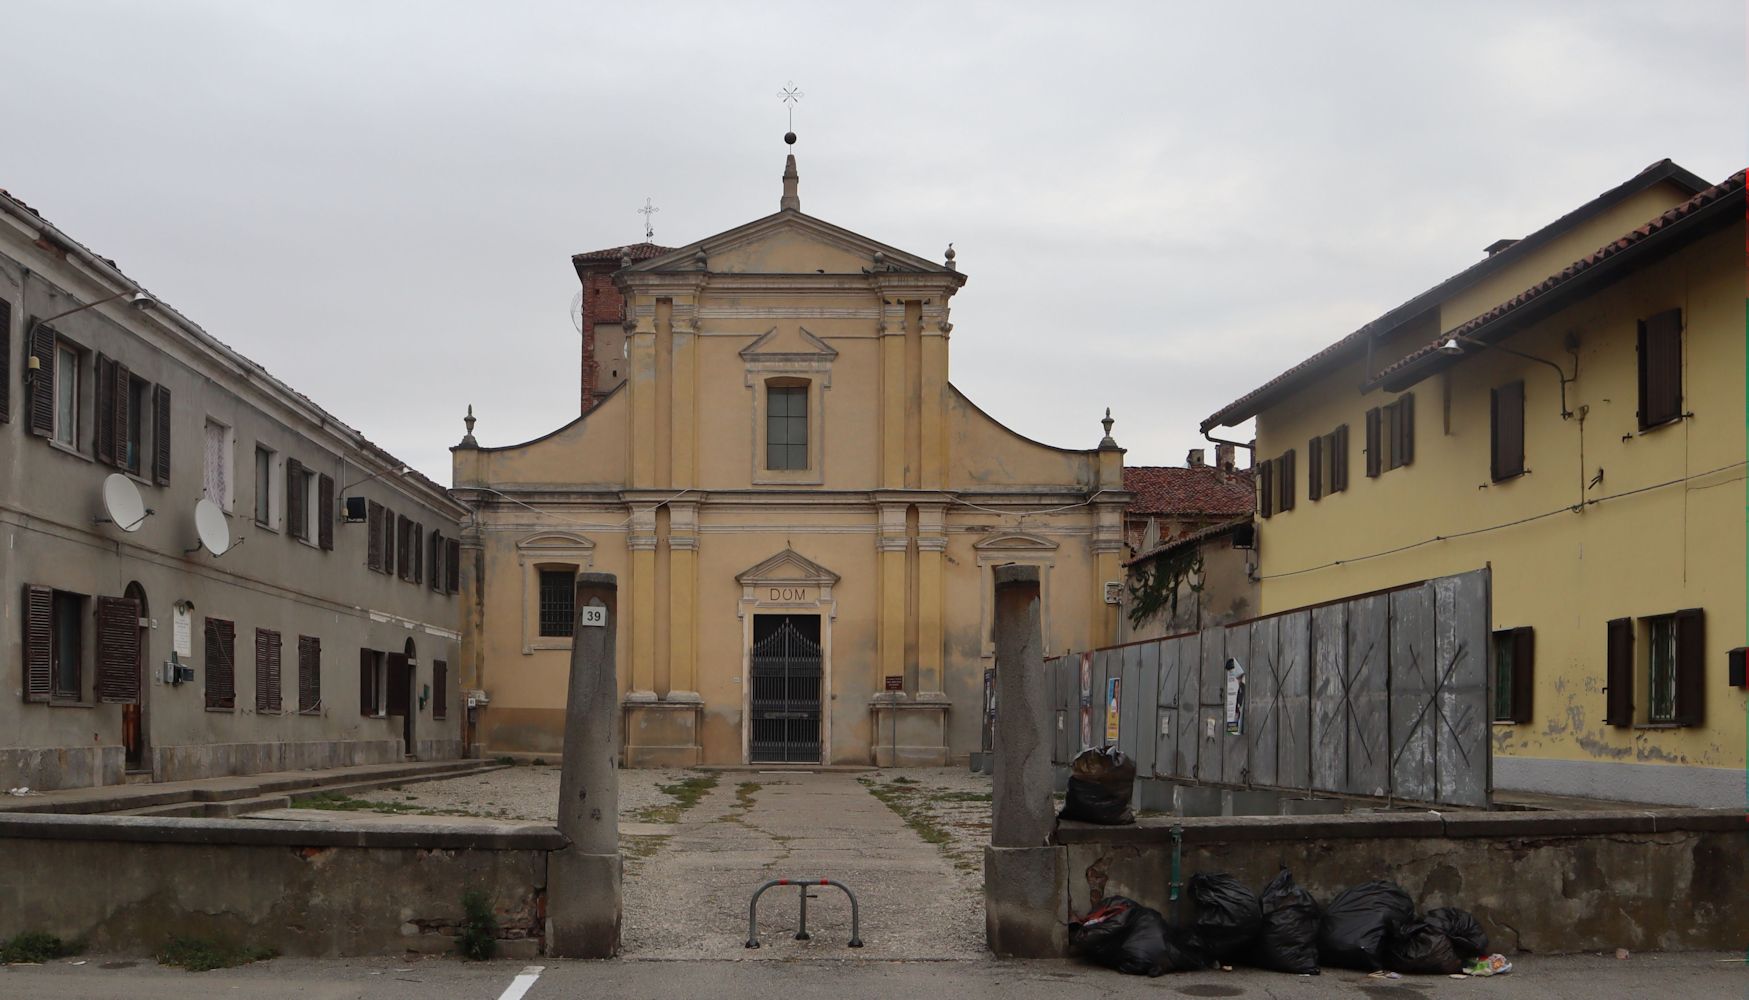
[[648, 210], [790, 95]]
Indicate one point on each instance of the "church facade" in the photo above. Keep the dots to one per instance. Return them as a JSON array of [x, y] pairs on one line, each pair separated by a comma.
[[802, 511]]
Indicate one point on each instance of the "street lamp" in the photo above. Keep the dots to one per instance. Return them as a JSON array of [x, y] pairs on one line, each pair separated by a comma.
[[1454, 347], [137, 299]]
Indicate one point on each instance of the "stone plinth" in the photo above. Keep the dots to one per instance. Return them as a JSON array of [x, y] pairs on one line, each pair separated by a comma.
[[663, 733], [908, 732]]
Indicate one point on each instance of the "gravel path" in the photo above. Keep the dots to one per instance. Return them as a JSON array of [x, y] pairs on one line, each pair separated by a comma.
[[524, 792]]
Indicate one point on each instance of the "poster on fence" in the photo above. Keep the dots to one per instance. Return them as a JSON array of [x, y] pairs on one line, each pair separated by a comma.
[[1112, 686], [1086, 699], [1235, 697]]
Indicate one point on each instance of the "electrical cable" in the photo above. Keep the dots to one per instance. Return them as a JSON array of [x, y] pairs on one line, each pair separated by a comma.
[[1572, 508]]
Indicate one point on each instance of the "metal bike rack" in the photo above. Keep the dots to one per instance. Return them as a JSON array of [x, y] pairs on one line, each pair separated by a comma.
[[802, 926]]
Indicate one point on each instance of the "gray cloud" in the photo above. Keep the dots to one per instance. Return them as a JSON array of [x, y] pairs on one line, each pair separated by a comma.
[[1160, 205]]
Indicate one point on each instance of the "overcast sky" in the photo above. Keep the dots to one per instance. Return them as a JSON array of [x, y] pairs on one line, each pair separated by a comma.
[[1159, 205]]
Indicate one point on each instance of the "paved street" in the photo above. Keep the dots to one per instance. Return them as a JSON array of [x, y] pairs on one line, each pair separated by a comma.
[[1692, 976]]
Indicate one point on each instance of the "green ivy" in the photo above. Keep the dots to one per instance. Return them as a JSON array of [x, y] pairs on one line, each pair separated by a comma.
[[1154, 585]]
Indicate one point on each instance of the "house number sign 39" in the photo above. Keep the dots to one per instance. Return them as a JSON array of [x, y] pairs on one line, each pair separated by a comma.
[[594, 615]]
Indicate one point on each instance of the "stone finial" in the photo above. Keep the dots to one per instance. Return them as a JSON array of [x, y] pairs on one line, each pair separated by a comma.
[[625, 258], [951, 266], [791, 201], [700, 262], [1108, 443], [468, 439]]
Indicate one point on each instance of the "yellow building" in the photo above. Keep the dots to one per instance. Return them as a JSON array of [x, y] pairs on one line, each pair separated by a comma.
[[802, 511], [1569, 412]]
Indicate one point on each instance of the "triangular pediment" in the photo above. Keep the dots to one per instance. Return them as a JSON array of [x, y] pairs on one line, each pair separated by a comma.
[[788, 343], [788, 566], [1012, 541], [791, 243]]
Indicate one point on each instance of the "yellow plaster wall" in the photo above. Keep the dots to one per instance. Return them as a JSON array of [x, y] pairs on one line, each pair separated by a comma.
[[1567, 573]]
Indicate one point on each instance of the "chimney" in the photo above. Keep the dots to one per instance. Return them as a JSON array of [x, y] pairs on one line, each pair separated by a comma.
[[1499, 245], [1224, 457], [1194, 459]]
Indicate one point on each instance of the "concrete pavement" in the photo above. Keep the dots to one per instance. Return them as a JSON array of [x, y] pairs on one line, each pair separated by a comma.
[[688, 899], [1692, 976]]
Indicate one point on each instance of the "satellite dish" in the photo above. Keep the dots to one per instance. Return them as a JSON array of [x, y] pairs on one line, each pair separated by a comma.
[[577, 311], [211, 526], [122, 503]]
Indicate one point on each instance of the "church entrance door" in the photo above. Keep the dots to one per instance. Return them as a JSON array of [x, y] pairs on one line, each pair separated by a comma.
[[785, 703]]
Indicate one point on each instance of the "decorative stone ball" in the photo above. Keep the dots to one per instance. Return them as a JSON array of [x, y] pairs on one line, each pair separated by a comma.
[[789, 137]]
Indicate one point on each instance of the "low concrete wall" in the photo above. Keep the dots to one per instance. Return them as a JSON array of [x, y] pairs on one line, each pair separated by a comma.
[[48, 768], [182, 762], [126, 884], [1538, 881]]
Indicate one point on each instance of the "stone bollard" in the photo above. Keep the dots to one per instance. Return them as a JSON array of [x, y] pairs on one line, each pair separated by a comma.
[[584, 878], [1025, 881]]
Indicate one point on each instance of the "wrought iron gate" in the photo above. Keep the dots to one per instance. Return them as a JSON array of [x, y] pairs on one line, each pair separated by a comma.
[[785, 706]]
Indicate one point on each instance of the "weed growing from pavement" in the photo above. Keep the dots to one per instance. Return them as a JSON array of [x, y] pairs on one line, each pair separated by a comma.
[[506, 759], [744, 793], [683, 795], [933, 813], [478, 940], [341, 802], [35, 948], [204, 955]]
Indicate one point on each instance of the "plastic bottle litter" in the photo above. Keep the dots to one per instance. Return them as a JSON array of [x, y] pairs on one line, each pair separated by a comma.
[[1493, 965]]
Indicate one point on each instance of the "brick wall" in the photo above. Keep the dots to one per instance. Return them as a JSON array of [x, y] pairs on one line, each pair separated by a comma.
[[602, 303]]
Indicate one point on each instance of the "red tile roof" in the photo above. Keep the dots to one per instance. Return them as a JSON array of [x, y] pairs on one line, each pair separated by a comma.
[[1205, 489], [636, 251], [1732, 185], [1248, 405], [1201, 534]]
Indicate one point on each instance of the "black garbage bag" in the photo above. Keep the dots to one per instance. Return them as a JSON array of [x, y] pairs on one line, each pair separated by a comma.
[[1228, 917], [1134, 939], [1352, 933], [1288, 941], [1100, 783], [1467, 937], [1422, 949]]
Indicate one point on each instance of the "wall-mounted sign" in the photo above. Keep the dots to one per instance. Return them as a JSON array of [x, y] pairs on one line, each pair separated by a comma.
[[594, 616], [788, 595], [182, 631], [895, 682]]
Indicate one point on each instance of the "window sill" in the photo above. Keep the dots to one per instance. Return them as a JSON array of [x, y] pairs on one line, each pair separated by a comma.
[[1679, 418], [67, 449], [70, 703], [223, 710], [313, 712], [1662, 725], [267, 528], [1497, 480]]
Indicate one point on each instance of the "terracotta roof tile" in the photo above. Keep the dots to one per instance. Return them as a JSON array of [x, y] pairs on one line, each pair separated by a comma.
[[1163, 489], [1189, 538], [1246, 406], [1724, 189], [636, 251]]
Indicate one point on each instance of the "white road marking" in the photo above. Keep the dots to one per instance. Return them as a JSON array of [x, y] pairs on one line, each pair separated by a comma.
[[522, 982]]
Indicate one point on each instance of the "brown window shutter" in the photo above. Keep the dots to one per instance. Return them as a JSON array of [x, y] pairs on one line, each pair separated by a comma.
[[1284, 487], [1523, 672], [1406, 422], [394, 553], [1660, 368], [118, 418], [367, 688], [439, 689], [1372, 443], [118, 651], [161, 436], [42, 383], [453, 565], [325, 513], [1690, 667], [1265, 488], [221, 663], [399, 680], [417, 535], [374, 532], [389, 523], [1314, 473], [39, 631], [309, 673], [297, 525], [104, 414], [1506, 444], [1619, 681], [1339, 459], [5, 361], [434, 552], [267, 675]]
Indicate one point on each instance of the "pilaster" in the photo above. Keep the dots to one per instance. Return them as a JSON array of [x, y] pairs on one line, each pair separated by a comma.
[[931, 594], [641, 552], [892, 413], [682, 602]]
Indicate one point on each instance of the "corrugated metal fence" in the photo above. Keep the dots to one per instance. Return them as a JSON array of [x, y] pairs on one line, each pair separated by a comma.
[[1382, 695]]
